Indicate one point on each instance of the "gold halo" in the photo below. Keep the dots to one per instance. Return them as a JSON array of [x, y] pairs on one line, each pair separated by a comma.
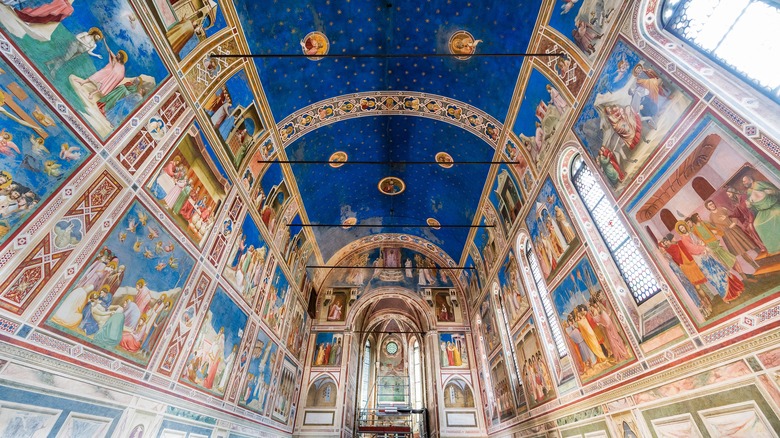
[[458, 38], [444, 159], [348, 223], [433, 223], [323, 42], [391, 186], [337, 159]]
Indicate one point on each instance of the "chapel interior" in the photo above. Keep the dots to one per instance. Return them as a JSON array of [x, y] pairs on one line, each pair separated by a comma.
[[389, 218]]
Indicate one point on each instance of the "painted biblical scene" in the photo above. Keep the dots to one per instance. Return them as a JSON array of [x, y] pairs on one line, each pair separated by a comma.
[[452, 350], [628, 115], [328, 349], [503, 408], [538, 118], [472, 280], [297, 249], [264, 358], [38, 154], [235, 116], [586, 22], [489, 330], [271, 195], [445, 308], [296, 333], [506, 197], [97, 55], [479, 263], [335, 308], [211, 360], [457, 394], [516, 156], [276, 305], [191, 185], [512, 293], [289, 382], [125, 294], [595, 338], [486, 241], [532, 364], [246, 261], [552, 232], [712, 217], [187, 23], [389, 267]]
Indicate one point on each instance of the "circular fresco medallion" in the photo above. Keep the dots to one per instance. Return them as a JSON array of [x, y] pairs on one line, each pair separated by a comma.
[[444, 159], [433, 223], [337, 159], [391, 186], [348, 223], [463, 44], [315, 45]]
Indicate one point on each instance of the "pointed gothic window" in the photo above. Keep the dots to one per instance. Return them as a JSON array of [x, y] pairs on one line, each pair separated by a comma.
[[633, 266], [544, 297], [740, 35]]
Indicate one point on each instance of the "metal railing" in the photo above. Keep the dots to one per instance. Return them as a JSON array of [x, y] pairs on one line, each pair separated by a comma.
[[391, 422]]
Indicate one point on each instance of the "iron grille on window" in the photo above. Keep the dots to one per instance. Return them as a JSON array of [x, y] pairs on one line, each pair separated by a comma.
[[740, 35], [632, 265], [544, 296]]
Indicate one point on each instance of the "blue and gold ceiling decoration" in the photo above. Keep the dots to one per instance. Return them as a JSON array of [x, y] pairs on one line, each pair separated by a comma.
[[312, 98]]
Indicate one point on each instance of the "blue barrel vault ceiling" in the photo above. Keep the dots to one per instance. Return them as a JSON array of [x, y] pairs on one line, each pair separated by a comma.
[[450, 196]]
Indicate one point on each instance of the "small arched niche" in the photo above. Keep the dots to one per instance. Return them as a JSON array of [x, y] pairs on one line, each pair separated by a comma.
[[322, 393], [458, 394]]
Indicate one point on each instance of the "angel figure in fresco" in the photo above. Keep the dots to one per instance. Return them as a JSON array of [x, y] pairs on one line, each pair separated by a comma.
[[7, 146], [335, 312], [444, 313], [315, 44]]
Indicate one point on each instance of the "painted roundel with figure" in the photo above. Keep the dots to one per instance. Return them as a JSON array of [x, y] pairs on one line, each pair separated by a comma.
[[300, 218], [391, 186], [314, 45]]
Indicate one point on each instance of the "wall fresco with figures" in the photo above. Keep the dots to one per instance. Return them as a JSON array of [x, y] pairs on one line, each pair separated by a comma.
[[98, 57], [160, 274]]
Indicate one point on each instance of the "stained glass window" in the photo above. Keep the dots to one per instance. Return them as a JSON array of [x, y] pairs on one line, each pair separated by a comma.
[[544, 297], [740, 35], [629, 259]]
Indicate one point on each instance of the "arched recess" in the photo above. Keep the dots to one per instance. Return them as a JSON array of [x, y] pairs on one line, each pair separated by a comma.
[[413, 243], [401, 375], [608, 272], [458, 394], [322, 393], [416, 309]]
